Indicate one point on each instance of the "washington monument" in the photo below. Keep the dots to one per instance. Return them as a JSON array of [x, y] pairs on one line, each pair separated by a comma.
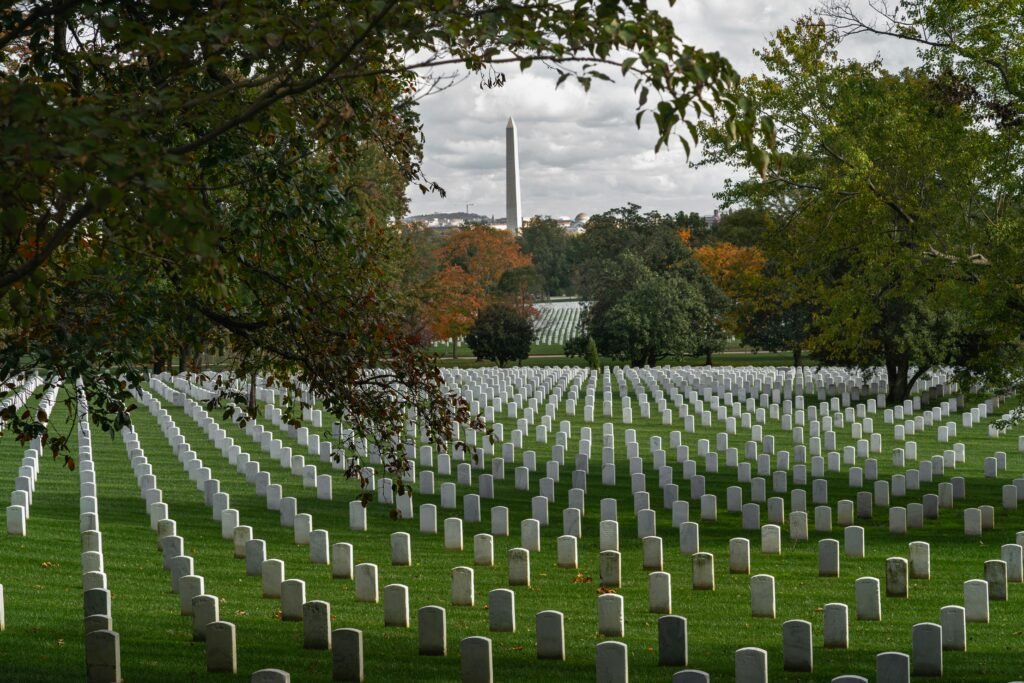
[[513, 205]]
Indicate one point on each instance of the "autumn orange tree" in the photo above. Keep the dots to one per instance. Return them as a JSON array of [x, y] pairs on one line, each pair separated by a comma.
[[737, 271], [453, 299], [484, 253], [766, 313], [469, 265]]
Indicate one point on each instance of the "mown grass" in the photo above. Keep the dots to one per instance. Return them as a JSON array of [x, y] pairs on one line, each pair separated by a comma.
[[729, 359], [444, 351], [41, 573]]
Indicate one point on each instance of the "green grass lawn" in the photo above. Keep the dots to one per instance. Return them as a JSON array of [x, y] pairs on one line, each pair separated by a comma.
[[444, 351], [41, 572], [556, 359]]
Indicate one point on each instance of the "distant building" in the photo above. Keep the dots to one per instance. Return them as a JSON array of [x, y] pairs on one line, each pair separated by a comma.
[[578, 225], [572, 225], [712, 220]]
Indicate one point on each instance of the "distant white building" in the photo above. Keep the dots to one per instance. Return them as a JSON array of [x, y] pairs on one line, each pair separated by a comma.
[[578, 225], [712, 220]]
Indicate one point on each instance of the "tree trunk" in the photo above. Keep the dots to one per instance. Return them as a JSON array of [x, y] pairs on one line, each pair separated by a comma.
[[455, 348], [182, 363], [707, 357], [252, 393], [797, 357], [899, 389]]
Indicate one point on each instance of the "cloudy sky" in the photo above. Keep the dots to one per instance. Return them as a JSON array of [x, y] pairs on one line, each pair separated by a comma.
[[582, 152]]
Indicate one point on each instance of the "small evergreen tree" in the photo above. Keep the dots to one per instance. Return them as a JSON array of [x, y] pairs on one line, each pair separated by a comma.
[[593, 360]]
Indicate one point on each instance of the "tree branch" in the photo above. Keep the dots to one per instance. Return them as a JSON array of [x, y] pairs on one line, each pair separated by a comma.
[[41, 10], [888, 201], [57, 239], [846, 22], [277, 94]]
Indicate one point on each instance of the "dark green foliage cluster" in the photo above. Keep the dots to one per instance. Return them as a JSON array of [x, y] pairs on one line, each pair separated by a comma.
[[553, 252], [501, 333], [893, 198], [648, 297]]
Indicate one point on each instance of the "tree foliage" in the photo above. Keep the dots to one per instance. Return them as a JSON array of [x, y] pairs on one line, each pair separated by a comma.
[[648, 297], [552, 251], [485, 254], [186, 176], [971, 51], [736, 271], [501, 333], [875, 188], [745, 226], [520, 286], [593, 359], [471, 268]]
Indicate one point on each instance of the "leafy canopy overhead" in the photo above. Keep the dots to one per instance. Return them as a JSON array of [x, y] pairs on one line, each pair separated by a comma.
[[178, 177]]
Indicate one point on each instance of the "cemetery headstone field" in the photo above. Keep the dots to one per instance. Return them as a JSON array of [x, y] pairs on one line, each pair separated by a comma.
[[656, 524]]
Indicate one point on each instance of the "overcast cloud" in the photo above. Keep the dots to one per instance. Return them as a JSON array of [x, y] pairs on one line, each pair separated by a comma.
[[582, 152]]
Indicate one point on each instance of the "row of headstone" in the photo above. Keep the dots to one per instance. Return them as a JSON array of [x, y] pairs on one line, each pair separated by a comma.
[[102, 643], [20, 509], [602, 596], [220, 636], [489, 413], [460, 544]]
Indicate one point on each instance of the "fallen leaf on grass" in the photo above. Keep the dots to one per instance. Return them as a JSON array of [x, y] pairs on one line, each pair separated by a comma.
[[46, 565], [604, 589], [580, 578], [240, 613], [278, 614], [517, 648]]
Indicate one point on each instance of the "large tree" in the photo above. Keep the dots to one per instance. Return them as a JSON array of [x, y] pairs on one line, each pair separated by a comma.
[[552, 250], [648, 298], [657, 315], [876, 188], [471, 267], [231, 172], [973, 49]]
